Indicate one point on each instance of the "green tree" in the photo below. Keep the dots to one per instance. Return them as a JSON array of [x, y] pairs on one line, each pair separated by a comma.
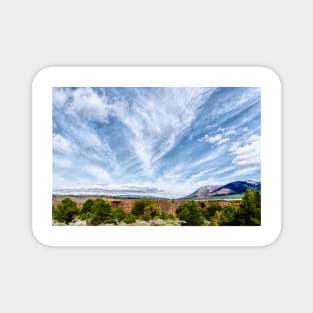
[[87, 206], [150, 212], [96, 211], [117, 215], [102, 209], [129, 218], [191, 213], [228, 215], [92, 218], [139, 206], [65, 211], [166, 216], [216, 219], [258, 199], [248, 213], [210, 210], [250, 208]]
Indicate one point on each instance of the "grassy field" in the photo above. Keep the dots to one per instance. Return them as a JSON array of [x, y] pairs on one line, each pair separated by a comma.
[[82, 198], [221, 198]]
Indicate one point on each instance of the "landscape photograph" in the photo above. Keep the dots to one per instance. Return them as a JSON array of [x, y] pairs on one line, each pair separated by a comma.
[[156, 156]]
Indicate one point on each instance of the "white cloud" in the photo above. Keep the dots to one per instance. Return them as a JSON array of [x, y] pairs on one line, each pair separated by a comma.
[[221, 136], [243, 171], [249, 94], [214, 139], [195, 177], [132, 188], [97, 172], [145, 125], [248, 153], [155, 123], [62, 145], [60, 96], [62, 162], [110, 189], [211, 156], [230, 132], [88, 104], [224, 170]]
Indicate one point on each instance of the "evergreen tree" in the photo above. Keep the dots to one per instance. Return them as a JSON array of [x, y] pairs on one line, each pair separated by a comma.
[[139, 206], [191, 213], [250, 208], [65, 211]]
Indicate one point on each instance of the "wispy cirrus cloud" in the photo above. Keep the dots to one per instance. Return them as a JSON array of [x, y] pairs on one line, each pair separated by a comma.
[[97, 172], [167, 138], [247, 153], [62, 145], [221, 136]]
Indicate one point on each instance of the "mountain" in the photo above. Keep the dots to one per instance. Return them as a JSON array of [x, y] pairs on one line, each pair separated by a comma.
[[236, 187]]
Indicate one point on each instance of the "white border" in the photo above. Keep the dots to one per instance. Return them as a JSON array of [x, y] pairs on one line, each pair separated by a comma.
[[262, 77]]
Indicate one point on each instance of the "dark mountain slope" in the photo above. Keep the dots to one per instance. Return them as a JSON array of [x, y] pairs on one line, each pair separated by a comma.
[[236, 187]]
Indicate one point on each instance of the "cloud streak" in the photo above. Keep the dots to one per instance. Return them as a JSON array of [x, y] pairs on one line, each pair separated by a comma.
[[248, 153]]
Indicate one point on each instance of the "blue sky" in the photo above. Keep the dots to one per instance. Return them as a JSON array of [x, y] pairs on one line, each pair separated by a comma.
[[156, 141]]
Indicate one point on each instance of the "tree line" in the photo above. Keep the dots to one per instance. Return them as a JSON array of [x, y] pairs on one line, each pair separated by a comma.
[[100, 211]]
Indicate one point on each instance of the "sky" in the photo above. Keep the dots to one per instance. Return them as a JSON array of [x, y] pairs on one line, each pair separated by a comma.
[[154, 141]]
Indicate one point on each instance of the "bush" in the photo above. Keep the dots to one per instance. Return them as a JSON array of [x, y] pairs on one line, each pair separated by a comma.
[[65, 211], [117, 215], [228, 215], [139, 206], [166, 216], [191, 213], [216, 220], [248, 213], [129, 218], [209, 211], [96, 211], [87, 206], [92, 218], [150, 212]]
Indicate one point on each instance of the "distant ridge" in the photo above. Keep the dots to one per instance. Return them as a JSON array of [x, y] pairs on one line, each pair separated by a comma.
[[236, 187]]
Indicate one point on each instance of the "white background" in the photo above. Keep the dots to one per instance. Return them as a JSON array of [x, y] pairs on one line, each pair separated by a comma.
[[35, 34], [262, 77]]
